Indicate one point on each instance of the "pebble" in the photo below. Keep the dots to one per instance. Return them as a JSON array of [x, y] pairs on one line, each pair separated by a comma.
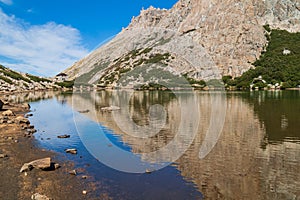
[[56, 166], [73, 172], [3, 155], [84, 192]]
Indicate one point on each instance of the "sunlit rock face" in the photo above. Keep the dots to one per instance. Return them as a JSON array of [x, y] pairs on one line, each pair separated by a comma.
[[227, 35]]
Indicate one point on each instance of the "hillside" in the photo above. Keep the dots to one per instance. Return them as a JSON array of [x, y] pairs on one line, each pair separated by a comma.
[[12, 81], [279, 63], [198, 39]]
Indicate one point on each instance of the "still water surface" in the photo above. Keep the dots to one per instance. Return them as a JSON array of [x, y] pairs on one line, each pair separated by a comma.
[[256, 155]]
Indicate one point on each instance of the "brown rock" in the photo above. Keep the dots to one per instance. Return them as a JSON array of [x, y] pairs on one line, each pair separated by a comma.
[[44, 163], [26, 106], [38, 196], [64, 136], [72, 151], [22, 120], [73, 172], [8, 113]]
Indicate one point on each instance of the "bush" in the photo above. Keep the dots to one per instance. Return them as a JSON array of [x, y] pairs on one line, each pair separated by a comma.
[[273, 66], [66, 84]]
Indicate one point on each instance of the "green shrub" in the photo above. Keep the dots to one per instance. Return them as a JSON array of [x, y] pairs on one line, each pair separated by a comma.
[[273, 66], [66, 84], [37, 79]]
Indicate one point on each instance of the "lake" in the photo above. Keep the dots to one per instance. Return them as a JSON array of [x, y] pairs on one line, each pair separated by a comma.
[[176, 145]]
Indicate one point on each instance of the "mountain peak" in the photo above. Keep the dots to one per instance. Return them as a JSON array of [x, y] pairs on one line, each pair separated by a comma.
[[230, 33]]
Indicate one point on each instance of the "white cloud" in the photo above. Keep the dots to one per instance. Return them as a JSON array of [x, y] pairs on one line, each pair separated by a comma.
[[42, 49], [8, 2]]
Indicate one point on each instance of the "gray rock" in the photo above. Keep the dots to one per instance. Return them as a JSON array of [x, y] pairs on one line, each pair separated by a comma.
[[38, 196], [72, 151], [44, 163]]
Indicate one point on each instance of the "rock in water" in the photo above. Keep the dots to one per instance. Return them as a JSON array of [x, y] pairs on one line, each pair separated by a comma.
[[1, 104], [38, 196], [72, 151], [44, 163], [26, 106], [64, 136]]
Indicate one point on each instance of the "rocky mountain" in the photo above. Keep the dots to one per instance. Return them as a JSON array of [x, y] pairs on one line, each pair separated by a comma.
[[12, 81], [196, 39]]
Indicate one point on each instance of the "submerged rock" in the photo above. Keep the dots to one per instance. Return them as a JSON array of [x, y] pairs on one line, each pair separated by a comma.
[[84, 111], [72, 151], [64, 136], [38, 196], [44, 163]]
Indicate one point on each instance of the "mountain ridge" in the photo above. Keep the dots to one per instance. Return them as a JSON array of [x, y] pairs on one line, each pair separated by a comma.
[[225, 37]]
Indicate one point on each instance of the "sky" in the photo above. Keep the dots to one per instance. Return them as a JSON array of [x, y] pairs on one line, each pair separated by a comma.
[[44, 37]]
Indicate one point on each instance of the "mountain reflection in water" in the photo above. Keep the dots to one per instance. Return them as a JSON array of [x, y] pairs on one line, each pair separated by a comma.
[[257, 155]]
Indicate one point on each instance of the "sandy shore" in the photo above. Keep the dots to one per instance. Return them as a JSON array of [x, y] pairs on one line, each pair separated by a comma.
[[18, 147]]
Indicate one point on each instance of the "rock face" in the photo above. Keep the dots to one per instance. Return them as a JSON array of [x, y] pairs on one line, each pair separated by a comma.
[[199, 38]]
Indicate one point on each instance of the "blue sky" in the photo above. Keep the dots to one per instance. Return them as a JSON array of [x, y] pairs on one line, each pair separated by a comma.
[[44, 37]]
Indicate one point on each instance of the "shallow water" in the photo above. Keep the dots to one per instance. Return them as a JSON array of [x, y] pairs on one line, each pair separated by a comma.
[[239, 145]]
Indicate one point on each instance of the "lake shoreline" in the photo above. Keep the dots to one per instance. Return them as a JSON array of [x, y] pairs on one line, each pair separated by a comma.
[[18, 147]]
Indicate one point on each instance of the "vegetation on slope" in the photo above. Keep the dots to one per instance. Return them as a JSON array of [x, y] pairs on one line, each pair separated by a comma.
[[273, 65]]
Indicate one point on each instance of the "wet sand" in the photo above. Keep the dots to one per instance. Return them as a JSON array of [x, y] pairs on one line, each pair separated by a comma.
[[21, 148]]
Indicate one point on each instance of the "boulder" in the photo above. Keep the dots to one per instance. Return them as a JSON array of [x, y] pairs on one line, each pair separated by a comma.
[[44, 163], [26, 106], [38, 196], [1, 104], [22, 120], [8, 113]]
